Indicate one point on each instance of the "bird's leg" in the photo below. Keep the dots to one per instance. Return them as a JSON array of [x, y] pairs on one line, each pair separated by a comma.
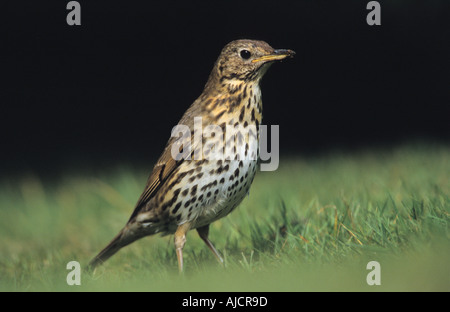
[[203, 232], [180, 239]]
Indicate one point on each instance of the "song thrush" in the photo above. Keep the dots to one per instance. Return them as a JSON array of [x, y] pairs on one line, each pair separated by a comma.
[[194, 190]]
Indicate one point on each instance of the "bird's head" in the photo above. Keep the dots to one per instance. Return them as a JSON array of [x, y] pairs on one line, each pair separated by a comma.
[[246, 61]]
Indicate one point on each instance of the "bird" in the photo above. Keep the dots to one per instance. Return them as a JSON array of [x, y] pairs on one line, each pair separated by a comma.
[[188, 188]]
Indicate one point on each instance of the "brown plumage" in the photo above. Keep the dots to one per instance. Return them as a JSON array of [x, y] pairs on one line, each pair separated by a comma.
[[216, 170]]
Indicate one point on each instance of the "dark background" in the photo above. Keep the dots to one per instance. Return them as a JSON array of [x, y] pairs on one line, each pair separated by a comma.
[[109, 91]]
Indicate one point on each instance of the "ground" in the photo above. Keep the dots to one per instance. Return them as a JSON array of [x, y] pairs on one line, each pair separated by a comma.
[[313, 224]]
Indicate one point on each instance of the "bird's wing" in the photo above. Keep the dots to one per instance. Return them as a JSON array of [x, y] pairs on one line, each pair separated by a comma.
[[166, 164], [163, 169]]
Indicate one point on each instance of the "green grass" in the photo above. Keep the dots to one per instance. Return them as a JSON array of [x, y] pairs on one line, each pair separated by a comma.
[[313, 224]]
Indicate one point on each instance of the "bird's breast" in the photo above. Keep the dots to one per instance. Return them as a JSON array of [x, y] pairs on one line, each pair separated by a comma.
[[219, 173]]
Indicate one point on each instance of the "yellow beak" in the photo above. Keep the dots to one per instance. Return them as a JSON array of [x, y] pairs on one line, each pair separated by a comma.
[[276, 56]]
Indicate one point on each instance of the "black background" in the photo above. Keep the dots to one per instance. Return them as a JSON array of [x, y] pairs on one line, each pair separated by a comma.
[[109, 91]]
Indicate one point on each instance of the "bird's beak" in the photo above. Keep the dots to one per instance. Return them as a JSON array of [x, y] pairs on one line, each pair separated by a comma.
[[277, 55]]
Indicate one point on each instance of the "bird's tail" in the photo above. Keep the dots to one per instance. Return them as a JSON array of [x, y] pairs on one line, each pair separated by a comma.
[[121, 240]]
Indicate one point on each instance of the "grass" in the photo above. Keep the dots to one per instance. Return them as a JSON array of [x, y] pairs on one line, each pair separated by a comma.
[[313, 224]]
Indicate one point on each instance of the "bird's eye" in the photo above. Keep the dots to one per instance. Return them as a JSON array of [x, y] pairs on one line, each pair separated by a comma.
[[245, 54]]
